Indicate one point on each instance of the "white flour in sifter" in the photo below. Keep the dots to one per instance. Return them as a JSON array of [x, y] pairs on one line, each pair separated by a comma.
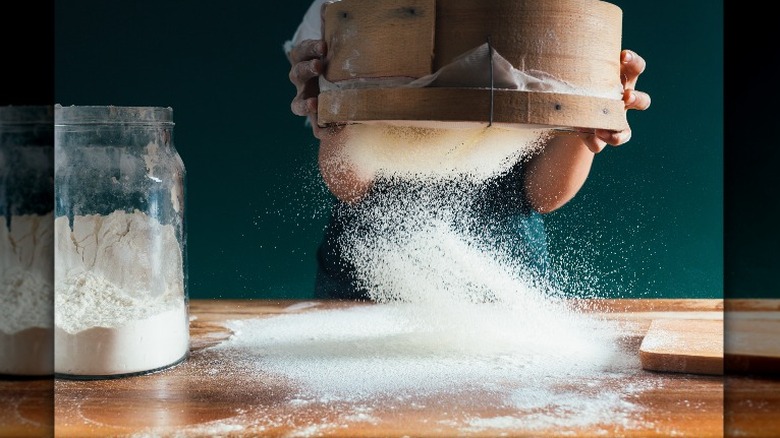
[[26, 295], [435, 150], [119, 295]]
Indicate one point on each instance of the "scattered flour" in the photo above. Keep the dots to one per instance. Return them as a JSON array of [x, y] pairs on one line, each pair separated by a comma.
[[363, 352], [119, 294], [218, 429], [26, 297], [499, 369], [455, 317]]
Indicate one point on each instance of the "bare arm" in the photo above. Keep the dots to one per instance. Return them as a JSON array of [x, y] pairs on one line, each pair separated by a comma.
[[340, 176], [558, 172]]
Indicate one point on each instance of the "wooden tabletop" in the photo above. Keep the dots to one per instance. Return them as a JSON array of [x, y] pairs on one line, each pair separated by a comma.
[[207, 396]]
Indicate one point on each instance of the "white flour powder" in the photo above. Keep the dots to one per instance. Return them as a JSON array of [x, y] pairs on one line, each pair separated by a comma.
[[436, 151], [119, 293], [26, 297], [538, 370], [456, 317]]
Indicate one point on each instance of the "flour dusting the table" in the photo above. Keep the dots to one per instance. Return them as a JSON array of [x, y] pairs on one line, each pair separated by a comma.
[[537, 372], [459, 311]]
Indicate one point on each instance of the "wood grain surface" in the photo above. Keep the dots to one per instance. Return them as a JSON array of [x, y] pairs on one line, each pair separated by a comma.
[[576, 42], [471, 105], [207, 396], [753, 343], [363, 39], [683, 346]]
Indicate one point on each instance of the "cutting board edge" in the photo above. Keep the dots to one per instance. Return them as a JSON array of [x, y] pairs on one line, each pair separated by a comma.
[[708, 365]]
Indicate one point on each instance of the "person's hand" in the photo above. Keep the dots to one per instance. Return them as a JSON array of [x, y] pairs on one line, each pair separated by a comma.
[[631, 66], [307, 66]]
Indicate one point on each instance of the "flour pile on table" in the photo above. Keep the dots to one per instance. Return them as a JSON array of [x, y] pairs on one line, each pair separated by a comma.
[[456, 315], [490, 366]]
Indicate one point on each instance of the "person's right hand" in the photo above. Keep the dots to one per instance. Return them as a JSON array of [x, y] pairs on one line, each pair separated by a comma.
[[307, 66]]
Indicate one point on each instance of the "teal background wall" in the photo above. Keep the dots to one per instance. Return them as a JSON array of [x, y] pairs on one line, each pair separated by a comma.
[[648, 223]]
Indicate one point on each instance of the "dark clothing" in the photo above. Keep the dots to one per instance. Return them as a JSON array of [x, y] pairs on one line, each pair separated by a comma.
[[496, 213]]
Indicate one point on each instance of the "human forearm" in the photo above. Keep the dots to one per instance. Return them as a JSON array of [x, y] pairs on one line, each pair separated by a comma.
[[555, 175], [340, 174]]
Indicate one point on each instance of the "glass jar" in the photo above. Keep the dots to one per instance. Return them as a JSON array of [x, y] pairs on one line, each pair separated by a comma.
[[26, 245], [120, 285]]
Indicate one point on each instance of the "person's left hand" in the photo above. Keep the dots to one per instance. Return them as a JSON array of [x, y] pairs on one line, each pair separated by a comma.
[[631, 66], [307, 66]]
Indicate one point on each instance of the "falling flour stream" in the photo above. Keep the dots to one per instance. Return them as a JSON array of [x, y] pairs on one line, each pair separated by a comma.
[[452, 319]]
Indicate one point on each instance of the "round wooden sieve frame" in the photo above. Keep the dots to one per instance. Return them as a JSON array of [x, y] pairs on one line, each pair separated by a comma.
[[576, 41]]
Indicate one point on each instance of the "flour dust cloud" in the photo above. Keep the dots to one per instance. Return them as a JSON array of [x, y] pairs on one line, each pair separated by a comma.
[[462, 305]]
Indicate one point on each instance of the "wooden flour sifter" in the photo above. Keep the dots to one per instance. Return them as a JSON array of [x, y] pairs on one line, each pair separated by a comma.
[[380, 51]]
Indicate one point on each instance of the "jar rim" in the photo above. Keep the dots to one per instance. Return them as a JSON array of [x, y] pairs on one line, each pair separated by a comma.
[[112, 114], [26, 115]]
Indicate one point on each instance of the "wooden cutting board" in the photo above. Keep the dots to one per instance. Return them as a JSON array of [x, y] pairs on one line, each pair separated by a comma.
[[752, 343], [683, 346]]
